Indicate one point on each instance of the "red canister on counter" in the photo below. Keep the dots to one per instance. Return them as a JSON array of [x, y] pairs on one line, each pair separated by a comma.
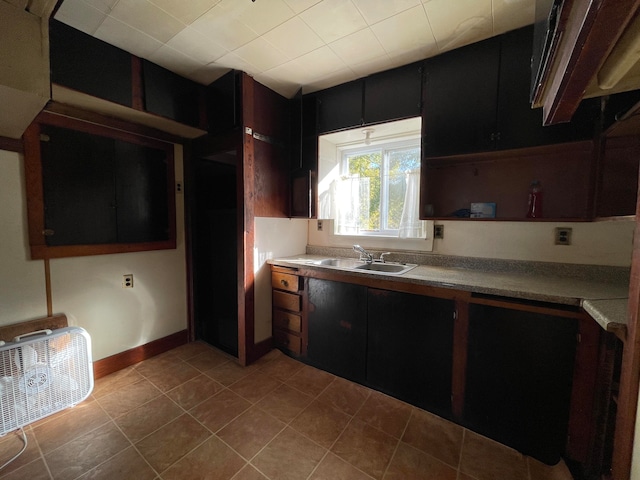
[[535, 200]]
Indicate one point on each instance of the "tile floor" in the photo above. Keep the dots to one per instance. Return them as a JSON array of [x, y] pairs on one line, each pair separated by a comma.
[[192, 413]]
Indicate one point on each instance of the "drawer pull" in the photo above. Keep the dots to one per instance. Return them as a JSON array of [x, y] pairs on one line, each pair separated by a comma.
[[284, 283]]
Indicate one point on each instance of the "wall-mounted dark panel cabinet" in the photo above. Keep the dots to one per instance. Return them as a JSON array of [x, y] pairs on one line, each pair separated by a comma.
[[171, 95], [340, 107], [86, 64], [393, 94], [224, 103]]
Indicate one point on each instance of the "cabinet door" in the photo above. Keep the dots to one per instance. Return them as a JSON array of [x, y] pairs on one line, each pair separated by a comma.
[[340, 107], [459, 114], [86, 64], [224, 103], [170, 95], [337, 326], [393, 94], [79, 187], [410, 345], [519, 372], [518, 124]]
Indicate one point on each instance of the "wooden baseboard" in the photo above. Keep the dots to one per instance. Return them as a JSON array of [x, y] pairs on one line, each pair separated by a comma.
[[135, 355]]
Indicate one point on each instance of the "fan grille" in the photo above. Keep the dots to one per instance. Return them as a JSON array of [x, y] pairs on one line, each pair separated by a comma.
[[42, 376]]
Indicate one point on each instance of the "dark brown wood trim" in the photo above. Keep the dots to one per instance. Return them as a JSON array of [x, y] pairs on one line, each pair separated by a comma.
[[106, 366], [43, 251], [592, 30], [189, 203], [34, 187], [11, 144], [260, 349], [582, 413], [110, 122], [137, 80], [630, 370], [47, 286], [460, 353], [528, 308]]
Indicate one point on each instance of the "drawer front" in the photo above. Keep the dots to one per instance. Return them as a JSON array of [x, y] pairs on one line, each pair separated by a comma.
[[288, 341], [286, 321], [287, 301], [285, 281]]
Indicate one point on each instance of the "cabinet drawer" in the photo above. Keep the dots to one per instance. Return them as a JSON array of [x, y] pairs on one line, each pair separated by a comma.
[[286, 301], [285, 281], [286, 340], [286, 321]]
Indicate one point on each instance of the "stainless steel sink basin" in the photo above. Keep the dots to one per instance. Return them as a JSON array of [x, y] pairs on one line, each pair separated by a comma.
[[388, 268]]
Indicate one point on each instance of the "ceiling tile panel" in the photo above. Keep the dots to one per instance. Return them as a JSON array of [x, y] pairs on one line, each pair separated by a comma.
[[233, 61], [223, 28], [208, 73], [334, 19], [261, 15], [80, 15], [408, 30], [341, 76], [294, 37], [299, 6], [192, 43], [175, 61], [104, 6], [358, 47], [375, 11], [511, 14], [261, 54], [185, 11], [146, 17], [370, 66], [459, 23], [127, 38]]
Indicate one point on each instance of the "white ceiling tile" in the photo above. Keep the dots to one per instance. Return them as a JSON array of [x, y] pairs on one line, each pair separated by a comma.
[[511, 14], [104, 6], [334, 19], [282, 86], [375, 11], [223, 28], [370, 66], [294, 38], [405, 31], [307, 68], [191, 42], [185, 11], [261, 54], [175, 61], [301, 5], [145, 16], [80, 15], [231, 60], [459, 23], [208, 73], [336, 78], [261, 16], [127, 38], [358, 47]]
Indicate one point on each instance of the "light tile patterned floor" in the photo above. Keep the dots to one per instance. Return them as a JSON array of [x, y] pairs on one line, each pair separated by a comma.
[[192, 413]]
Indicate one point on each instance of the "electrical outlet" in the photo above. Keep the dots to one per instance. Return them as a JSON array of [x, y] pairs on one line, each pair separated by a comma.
[[319, 225], [127, 280], [178, 187], [438, 231], [563, 236]]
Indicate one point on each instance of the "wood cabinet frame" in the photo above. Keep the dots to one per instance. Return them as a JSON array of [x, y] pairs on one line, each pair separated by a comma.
[[35, 191]]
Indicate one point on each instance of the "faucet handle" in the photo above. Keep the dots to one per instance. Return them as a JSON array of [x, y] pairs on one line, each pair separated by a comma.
[[382, 255]]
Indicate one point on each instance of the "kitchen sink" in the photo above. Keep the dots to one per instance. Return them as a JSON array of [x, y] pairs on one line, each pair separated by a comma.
[[388, 268]]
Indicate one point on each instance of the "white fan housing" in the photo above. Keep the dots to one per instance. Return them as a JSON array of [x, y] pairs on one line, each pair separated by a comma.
[[42, 373]]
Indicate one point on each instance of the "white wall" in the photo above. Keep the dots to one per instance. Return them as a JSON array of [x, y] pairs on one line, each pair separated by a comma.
[[89, 289], [593, 243], [274, 237]]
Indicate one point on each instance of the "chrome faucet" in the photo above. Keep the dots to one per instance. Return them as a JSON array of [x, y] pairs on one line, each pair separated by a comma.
[[364, 255], [382, 255]]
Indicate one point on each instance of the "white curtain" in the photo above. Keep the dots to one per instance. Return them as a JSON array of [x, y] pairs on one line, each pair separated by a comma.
[[410, 224], [349, 195]]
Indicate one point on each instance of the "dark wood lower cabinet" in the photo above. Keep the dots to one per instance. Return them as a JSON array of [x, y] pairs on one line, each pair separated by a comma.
[[337, 323], [409, 348], [518, 381]]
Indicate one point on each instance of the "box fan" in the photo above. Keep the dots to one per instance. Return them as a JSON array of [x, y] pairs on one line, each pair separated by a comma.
[[42, 373]]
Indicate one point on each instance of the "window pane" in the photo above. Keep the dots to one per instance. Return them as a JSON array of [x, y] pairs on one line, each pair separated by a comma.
[[368, 167], [400, 162]]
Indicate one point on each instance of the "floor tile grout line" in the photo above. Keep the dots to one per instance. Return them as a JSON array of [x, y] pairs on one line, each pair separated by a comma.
[[395, 451]]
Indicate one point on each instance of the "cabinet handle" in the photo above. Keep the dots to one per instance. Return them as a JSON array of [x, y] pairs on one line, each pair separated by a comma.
[[284, 283]]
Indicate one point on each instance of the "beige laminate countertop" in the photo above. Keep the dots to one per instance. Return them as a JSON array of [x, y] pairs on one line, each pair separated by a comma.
[[603, 298]]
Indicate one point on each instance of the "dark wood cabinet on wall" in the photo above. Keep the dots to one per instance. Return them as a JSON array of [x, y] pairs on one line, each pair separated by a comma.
[[477, 99], [93, 190], [88, 65]]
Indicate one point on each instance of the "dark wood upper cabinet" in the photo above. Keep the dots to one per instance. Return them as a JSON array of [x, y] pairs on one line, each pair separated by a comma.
[[459, 113], [88, 65], [224, 103], [171, 95], [393, 94], [340, 107]]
